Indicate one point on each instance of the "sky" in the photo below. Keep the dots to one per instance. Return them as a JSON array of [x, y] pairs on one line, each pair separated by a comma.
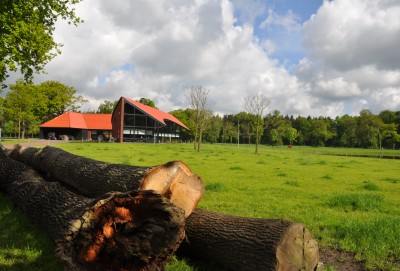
[[310, 57]]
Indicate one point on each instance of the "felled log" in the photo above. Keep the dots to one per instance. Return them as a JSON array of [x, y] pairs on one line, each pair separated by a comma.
[[118, 231], [94, 178], [238, 243]]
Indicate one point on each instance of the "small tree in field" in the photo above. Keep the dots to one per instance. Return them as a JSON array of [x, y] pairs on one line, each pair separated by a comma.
[[291, 134], [197, 99], [257, 105]]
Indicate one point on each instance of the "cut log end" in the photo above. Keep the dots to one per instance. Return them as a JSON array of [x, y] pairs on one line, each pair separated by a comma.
[[297, 250], [135, 231], [178, 183]]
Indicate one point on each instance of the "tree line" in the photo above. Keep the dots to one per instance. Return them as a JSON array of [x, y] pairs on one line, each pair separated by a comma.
[[364, 131], [27, 105]]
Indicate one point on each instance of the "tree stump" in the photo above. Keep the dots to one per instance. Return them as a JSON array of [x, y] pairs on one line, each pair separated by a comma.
[[94, 178], [137, 230], [239, 243]]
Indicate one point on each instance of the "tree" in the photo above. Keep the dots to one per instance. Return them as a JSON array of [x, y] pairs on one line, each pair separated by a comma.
[[228, 130], [54, 99], [257, 105], [148, 102], [197, 99], [303, 126], [186, 117], [29, 105], [346, 129], [390, 136], [275, 137], [213, 130], [19, 106], [290, 134], [319, 132], [245, 121], [369, 130], [106, 107], [26, 34], [277, 125]]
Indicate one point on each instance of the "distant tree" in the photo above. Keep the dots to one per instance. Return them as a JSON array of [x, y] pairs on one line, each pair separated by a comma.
[[319, 132], [278, 124], [275, 137], [197, 99], [390, 137], [213, 129], [29, 105], [26, 34], [106, 107], [54, 98], [303, 127], [290, 134], [369, 128], [19, 105], [245, 122], [10, 128], [388, 116], [185, 116], [147, 102], [346, 131], [228, 131], [257, 105]]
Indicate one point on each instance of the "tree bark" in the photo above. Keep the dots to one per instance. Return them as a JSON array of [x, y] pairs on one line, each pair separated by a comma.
[[95, 178], [118, 231], [238, 243]]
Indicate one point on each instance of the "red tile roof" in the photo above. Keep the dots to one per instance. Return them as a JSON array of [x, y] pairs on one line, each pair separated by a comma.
[[98, 121], [80, 121], [158, 115]]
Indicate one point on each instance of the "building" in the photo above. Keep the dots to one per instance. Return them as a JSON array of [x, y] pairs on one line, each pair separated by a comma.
[[131, 121], [78, 126]]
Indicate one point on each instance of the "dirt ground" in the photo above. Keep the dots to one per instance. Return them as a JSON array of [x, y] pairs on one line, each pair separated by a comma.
[[34, 143], [340, 260]]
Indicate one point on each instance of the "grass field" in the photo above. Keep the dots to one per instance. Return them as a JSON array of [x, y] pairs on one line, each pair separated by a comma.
[[351, 203]]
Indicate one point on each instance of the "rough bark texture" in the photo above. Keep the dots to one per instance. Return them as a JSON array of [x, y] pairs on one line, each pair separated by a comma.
[[94, 178], [238, 243], [119, 231]]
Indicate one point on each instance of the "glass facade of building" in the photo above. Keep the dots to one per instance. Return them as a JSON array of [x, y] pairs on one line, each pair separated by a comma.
[[140, 127]]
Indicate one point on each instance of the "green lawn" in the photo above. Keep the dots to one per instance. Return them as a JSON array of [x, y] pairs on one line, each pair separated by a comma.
[[352, 203]]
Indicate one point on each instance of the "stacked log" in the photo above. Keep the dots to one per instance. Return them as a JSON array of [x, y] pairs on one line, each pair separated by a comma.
[[93, 178], [235, 243], [136, 230], [239, 243]]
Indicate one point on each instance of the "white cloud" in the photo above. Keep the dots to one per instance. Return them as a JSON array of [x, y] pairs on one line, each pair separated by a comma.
[[156, 48], [387, 98], [353, 54], [288, 21], [347, 34], [337, 88]]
